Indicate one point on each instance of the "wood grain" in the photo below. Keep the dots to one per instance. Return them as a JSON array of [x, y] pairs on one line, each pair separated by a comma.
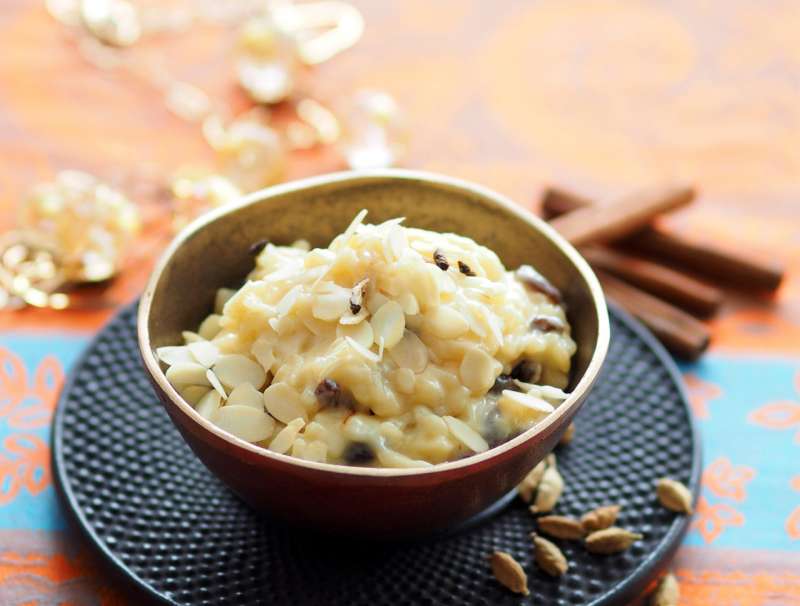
[[673, 286], [742, 268], [592, 224]]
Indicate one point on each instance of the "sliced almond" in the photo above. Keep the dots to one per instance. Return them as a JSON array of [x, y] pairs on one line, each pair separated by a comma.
[[478, 370], [191, 337], [245, 394], [362, 351], [446, 322], [174, 354], [289, 300], [210, 327], [332, 305], [204, 352], [517, 405], [351, 229], [410, 352], [187, 373], [233, 369], [286, 436], [194, 393], [465, 434], [283, 403], [209, 404], [262, 351], [388, 324], [245, 422], [361, 333], [215, 383], [409, 303]]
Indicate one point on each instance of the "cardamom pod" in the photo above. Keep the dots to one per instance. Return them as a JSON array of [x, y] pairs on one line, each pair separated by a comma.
[[569, 434], [674, 496], [561, 527], [550, 489], [611, 540], [549, 557], [508, 572], [530, 482], [600, 518], [667, 593]]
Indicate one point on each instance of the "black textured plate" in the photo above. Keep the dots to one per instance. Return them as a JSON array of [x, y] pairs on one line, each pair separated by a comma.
[[158, 516]]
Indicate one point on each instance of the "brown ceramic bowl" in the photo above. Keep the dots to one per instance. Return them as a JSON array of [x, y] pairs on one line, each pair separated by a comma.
[[378, 503]]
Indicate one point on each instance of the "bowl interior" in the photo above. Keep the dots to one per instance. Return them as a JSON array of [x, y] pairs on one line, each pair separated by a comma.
[[213, 252]]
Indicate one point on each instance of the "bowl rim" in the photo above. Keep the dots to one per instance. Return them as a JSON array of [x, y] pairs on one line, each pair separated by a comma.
[[424, 178]]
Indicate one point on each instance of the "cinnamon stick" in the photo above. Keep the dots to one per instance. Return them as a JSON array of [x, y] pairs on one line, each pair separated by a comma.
[[740, 269], [597, 224], [680, 333], [677, 288]]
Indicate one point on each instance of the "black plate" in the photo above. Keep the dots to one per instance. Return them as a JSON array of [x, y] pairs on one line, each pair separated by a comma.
[[161, 519]]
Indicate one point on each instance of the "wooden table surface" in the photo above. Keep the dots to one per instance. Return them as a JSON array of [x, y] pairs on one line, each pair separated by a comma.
[[601, 97]]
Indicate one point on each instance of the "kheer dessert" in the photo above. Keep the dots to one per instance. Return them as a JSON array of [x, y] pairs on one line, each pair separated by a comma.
[[392, 347]]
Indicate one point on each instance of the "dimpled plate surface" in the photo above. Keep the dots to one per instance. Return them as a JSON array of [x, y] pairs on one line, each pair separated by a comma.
[[162, 520]]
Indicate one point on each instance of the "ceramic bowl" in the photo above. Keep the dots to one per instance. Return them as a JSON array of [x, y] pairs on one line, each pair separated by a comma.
[[370, 502]]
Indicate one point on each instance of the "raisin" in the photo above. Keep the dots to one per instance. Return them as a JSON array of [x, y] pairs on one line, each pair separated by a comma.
[[328, 393], [257, 247], [358, 453], [440, 260], [504, 382], [533, 279], [547, 324], [465, 269], [526, 371]]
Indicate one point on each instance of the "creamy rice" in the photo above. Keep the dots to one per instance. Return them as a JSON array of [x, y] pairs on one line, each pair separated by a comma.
[[392, 347]]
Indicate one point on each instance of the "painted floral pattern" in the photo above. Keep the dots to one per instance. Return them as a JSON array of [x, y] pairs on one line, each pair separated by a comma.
[[780, 415], [727, 481], [701, 393], [712, 520], [26, 403]]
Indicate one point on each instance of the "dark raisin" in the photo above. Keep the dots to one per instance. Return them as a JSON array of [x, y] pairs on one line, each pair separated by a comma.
[[328, 393], [440, 260], [504, 382], [465, 269], [526, 371], [548, 324], [358, 453], [257, 247], [533, 279]]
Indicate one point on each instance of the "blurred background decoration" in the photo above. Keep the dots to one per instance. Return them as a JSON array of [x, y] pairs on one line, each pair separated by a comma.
[[274, 46]]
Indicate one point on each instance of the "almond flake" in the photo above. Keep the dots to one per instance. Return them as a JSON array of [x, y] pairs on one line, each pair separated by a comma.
[[465, 434]]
